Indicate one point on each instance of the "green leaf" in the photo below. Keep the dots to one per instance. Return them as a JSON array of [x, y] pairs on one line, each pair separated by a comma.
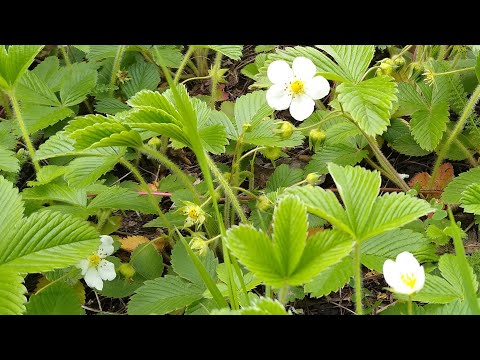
[[369, 102], [477, 68], [322, 203], [449, 266], [144, 76], [110, 106], [84, 171], [358, 188], [283, 177], [353, 59], [331, 279], [123, 199], [12, 290], [391, 243], [175, 218], [399, 137], [393, 210], [56, 192], [263, 134], [436, 290], [251, 108], [456, 307], [147, 261], [171, 55], [340, 154], [255, 250], [12, 209], [121, 287], [47, 174], [79, 81], [8, 161], [38, 117], [322, 250], [264, 306], [289, 233], [163, 295], [15, 62], [471, 199], [453, 192], [409, 100], [232, 51], [47, 241], [214, 138], [35, 90], [428, 125], [58, 299], [100, 52], [183, 265], [105, 135]]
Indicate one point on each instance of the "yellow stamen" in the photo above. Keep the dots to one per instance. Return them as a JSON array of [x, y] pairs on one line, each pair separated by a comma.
[[94, 260], [193, 214], [409, 280], [297, 87]]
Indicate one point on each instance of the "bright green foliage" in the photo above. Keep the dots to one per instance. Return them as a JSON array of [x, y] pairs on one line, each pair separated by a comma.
[[471, 199], [58, 299], [232, 51], [365, 215], [290, 259], [283, 177], [8, 161], [259, 306], [14, 62], [147, 261], [369, 102], [331, 279], [12, 298], [453, 192]]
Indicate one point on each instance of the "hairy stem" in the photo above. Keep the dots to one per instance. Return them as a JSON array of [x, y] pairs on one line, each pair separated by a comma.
[[186, 57], [23, 128], [214, 85], [358, 279], [116, 67]]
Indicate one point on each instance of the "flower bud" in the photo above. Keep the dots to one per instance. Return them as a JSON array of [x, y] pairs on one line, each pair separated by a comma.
[[127, 270], [200, 245], [286, 130], [263, 203], [247, 127], [316, 137], [154, 142], [387, 68], [399, 61], [312, 178], [272, 152]]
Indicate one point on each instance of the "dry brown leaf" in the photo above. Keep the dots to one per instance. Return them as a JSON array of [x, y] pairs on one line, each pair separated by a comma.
[[421, 178], [130, 243], [445, 175], [153, 186]]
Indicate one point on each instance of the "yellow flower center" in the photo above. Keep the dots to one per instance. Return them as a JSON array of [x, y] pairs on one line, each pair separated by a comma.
[[409, 280], [193, 214], [94, 260], [297, 87]]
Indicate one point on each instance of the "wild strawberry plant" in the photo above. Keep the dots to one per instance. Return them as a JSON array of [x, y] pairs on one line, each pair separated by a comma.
[[147, 174]]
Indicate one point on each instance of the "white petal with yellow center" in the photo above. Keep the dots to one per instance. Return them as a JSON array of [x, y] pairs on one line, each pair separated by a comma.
[[279, 72], [303, 68], [278, 98], [302, 107], [83, 265], [93, 279], [106, 270], [317, 88], [404, 275]]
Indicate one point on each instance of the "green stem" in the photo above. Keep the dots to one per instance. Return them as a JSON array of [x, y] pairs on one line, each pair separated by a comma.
[[211, 286], [23, 128], [410, 305], [187, 56], [268, 291], [163, 159], [116, 67], [196, 78], [454, 71], [283, 295], [65, 56], [239, 273], [470, 293], [456, 131], [202, 61], [139, 177], [214, 85], [358, 279]]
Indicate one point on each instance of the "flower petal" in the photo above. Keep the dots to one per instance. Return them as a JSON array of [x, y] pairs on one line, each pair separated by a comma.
[[407, 263], [303, 68], [106, 270], [391, 274], [93, 279], [278, 98], [106, 248], [83, 265], [279, 72], [420, 274], [301, 107], [317, 88]]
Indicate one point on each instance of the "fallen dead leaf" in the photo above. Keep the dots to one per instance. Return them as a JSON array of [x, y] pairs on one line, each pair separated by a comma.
[[130, 243]]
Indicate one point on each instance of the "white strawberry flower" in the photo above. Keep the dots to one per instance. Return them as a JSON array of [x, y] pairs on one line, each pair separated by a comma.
[[404, 275], [96, 269], [295, 88]]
